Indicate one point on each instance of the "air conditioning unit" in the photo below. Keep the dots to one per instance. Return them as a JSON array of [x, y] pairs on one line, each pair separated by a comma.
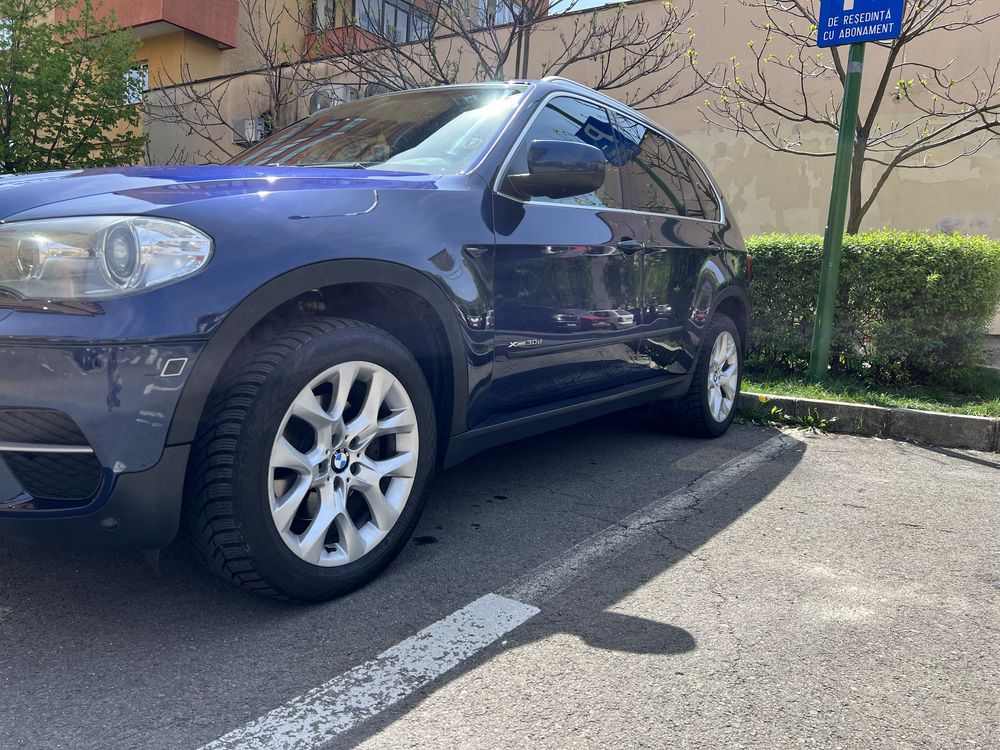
[[250, 130], [376, 89], [331, 96]]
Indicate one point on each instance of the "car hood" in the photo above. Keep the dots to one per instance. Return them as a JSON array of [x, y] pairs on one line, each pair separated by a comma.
[[148, 187]]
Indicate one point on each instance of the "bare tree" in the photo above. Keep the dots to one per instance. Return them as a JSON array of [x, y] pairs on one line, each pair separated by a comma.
[[921, 103], [640, 51], [273, 84]]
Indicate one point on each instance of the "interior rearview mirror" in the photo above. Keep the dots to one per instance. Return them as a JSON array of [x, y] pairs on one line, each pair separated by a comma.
[[560, 169]]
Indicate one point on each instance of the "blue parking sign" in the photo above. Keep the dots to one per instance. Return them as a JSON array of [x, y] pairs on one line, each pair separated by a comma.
[[856, 21]]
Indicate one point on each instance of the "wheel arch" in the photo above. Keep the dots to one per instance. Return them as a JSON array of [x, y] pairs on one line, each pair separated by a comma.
[[735, 302], [268, 300]]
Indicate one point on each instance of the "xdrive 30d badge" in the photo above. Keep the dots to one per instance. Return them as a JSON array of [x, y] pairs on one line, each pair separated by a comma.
[[276, 354]]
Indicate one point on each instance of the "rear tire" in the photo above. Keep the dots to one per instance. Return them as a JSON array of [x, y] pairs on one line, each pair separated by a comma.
[[308, 472], [708, 407]]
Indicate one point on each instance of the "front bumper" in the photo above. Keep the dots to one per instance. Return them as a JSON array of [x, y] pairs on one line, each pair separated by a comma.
[[94, 469], [132, 511]]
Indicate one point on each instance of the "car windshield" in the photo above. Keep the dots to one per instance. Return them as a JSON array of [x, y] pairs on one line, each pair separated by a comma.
[[438, 131]]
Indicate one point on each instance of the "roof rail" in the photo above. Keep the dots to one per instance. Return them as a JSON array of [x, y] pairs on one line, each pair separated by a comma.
[[564, 79], [570, 83], [599, 95]]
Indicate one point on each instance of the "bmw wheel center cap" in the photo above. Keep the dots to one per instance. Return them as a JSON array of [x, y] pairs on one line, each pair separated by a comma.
[[340, 460]]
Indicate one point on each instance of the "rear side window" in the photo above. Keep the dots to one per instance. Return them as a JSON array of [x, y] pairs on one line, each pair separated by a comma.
[[661, 177], [569, 119], [701, 202]]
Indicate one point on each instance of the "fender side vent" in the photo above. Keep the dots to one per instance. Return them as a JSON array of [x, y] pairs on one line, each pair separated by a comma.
[[56, 476], [44, 426], [48, 474]]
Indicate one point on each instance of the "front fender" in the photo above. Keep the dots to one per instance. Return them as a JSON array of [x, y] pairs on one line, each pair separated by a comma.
[[238, 323]]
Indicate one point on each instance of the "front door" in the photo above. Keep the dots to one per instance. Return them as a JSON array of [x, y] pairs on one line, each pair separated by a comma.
[[567, 288]]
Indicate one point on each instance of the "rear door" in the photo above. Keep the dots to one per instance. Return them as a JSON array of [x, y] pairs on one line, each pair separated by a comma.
[[681, 215], [557, 262]]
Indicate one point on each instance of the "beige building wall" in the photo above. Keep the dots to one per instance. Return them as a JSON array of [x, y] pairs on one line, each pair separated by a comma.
[[172, 56], [769, 191]]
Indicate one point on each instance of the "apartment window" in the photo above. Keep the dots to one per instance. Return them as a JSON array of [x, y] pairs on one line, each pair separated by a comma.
[[324, 13], [569, 6], [136, 83], [421, 25], [395, 20], [496, 12]]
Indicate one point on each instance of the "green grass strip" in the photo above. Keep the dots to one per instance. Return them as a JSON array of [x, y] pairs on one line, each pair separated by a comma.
[[975, 391]]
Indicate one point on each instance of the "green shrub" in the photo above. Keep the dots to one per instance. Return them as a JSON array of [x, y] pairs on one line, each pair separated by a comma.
[[909, 305]]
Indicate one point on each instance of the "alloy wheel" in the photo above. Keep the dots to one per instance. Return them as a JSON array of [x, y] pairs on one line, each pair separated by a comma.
[[723, 376], [343, 463]]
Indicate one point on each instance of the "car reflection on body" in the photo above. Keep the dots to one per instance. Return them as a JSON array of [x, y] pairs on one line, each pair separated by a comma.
[[539, 318], [565, 321], [607, 319], [589, 321], [618, 319]]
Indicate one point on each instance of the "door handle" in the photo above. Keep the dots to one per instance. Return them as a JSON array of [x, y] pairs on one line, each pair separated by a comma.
[[630, 247]]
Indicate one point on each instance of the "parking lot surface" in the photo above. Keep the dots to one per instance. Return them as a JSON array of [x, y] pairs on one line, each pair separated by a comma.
[[633, 589]]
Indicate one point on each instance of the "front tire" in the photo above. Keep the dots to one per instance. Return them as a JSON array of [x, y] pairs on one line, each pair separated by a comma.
[[709, 406], [309, 469]]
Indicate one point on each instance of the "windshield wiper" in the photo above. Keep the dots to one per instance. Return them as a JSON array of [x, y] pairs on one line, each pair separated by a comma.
[[11, 294]]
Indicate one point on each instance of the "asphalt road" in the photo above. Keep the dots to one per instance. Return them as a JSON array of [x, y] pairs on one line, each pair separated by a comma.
[[841, 592]]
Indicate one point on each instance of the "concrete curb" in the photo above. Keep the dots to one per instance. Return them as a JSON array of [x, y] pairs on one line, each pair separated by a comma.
[[929, 427]]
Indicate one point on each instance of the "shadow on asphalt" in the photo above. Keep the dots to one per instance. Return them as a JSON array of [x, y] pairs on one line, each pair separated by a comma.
[[612, 631], [583, 610], [948, 453], [177, 660]]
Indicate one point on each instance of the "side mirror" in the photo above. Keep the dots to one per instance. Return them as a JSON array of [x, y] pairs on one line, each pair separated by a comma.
[[560, 169]]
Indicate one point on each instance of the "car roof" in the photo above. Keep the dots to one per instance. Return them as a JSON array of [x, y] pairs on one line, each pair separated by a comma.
[[546, 86], [554, 84]]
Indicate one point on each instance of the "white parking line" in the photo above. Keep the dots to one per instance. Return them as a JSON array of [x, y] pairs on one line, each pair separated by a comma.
[[317, 716], [366, 690]]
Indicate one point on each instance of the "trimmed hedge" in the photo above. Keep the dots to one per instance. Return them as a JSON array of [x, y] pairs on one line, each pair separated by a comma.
[[910, 306]]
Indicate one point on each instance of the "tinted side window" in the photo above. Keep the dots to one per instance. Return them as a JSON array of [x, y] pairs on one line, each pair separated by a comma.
[[568, 119], [652, 171], [702, 202], [661, 177]]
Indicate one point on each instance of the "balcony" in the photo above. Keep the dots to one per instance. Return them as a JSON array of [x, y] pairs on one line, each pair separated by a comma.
[[342, 40], [216, 20]]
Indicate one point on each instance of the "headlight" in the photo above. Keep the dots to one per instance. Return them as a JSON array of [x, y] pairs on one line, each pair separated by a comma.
[[97, 257]]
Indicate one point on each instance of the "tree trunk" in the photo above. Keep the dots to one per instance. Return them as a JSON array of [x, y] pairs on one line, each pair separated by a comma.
[[527, 52], [856, 212], [518, 29]]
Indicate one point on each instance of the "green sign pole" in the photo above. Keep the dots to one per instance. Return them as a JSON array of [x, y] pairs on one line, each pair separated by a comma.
[[833, 243]]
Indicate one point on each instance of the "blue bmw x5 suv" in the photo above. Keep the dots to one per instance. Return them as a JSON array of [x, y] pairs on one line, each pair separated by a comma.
[[276, 354]]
